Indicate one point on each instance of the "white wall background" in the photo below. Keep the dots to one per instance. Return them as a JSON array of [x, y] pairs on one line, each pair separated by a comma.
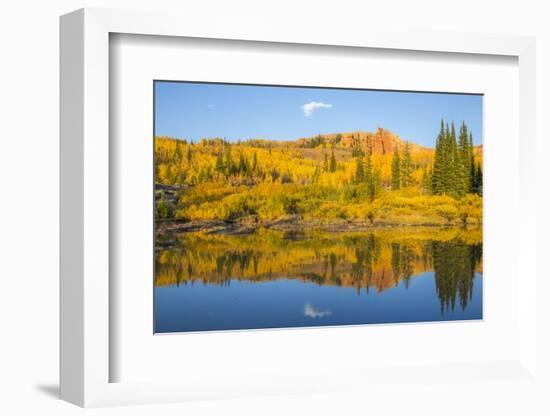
[[29, 56]]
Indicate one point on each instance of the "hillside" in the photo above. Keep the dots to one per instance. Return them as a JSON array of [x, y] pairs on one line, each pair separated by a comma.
[[379, 143], [349, 176]]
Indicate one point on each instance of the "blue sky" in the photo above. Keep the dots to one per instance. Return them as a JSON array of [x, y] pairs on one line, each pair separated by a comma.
[[197, 110]]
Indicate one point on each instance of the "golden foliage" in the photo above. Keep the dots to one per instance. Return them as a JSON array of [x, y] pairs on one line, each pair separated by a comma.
[[268, 180]]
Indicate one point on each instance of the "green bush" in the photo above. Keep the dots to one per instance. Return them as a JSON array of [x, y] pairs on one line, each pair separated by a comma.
[[164, 210]]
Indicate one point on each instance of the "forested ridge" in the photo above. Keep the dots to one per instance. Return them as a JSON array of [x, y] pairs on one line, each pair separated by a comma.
[[376, 178]]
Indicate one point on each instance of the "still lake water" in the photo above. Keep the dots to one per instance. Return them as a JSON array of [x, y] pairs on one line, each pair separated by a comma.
[[273, 279]]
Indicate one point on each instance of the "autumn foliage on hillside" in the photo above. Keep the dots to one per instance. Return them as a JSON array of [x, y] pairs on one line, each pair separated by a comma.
[[359, 176]]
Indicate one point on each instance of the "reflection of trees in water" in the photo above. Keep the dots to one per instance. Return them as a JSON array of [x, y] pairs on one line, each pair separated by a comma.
[[402, 259], [454, 265], [363, 262], [367, 254]]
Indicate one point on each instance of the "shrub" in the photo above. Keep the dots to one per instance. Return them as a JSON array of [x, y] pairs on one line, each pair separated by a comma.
[[371, 214], [470, 207], [164, 209], [447, 211], [332, 210], [237, 206]]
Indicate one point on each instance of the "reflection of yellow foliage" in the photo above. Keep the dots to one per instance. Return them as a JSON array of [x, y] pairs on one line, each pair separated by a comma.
[[380, 259]]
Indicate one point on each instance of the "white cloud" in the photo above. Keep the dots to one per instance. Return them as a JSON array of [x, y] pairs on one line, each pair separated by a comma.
[[210, 106], [310, 311], [309, 108]]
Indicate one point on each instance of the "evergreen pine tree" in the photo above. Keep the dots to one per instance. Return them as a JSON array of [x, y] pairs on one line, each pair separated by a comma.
[[369, 177], [454, 164], [332, 162], [454, 172], [254, 162], [368, 168], [406, 167], [325, 163], [396, 170], [219, 163], [438, 169], [243, 165], [359, 170], [478, 180], [178, 150], [473, 173], [189, 155], [463, 169], [374, 184], [447, 162], [228, 161], [316, 175], [427, 179]]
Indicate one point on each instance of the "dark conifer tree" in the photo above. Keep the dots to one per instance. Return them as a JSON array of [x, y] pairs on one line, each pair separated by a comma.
[[254, 163], [359, 170], [178, 150], [370, 178], [463, 162], [243, 165], [189, 154], [438, 169], [396, 170], [406, 167], [228, 161], [427, 179], [453, 169], [316, 175], [375, 184], [219, 163], [449, 171], [477, 186], [325, 162], [472, 163], [332, 166]]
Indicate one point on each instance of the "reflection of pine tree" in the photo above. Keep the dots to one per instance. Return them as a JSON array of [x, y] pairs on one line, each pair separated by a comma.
[[454, 264], [356, 261], [407, 265], [402, 263], [332, 265], [396, 261], [367, 252]]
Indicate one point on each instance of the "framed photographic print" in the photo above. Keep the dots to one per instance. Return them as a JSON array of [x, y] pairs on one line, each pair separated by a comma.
[[265, 220], [297, 212]]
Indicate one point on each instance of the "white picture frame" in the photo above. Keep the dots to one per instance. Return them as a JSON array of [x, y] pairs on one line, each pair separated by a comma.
[[86, 265]]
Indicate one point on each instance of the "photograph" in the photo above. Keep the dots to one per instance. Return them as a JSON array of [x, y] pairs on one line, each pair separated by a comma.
[[278, 207], [297, 206]]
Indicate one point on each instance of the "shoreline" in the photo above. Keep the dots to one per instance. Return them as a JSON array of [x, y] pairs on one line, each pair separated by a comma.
[[292, 224]]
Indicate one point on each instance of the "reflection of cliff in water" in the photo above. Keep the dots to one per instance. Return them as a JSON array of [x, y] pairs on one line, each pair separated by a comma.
[[364, 261]]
